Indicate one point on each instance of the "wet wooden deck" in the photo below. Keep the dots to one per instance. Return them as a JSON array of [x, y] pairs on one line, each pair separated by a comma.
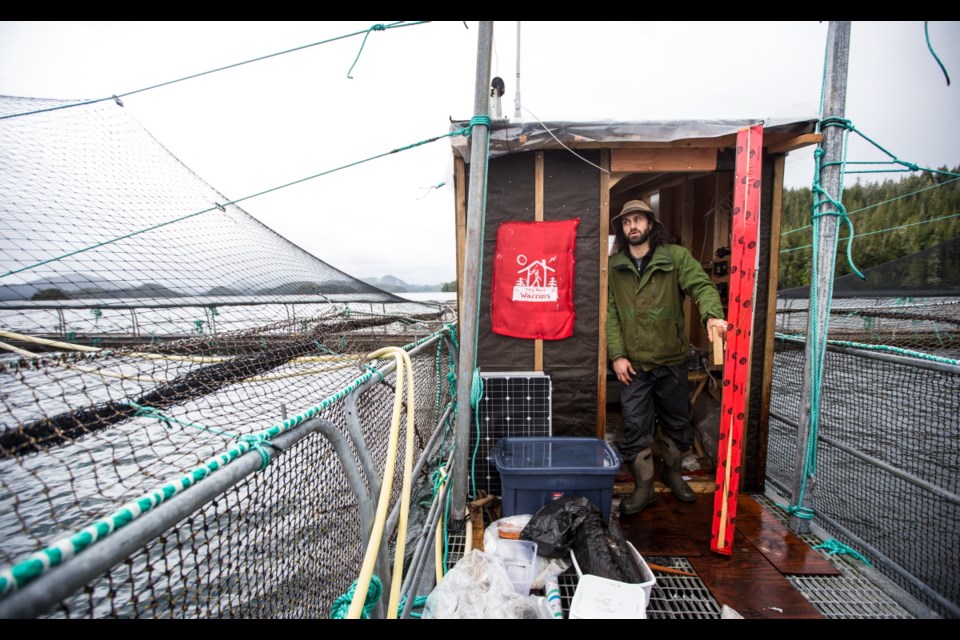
[[752, 579]]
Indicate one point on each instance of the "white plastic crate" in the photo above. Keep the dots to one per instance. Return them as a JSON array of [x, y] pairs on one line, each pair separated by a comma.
[[649, 579], [601, 598]]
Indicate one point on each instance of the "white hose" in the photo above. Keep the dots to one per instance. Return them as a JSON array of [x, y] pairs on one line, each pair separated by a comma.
[[376, 534]]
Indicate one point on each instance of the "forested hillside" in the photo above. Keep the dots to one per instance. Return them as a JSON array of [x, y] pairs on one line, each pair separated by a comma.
[[891, 219]]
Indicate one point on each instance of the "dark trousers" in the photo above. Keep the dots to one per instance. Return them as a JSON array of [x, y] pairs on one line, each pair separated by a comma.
[[660, 393]]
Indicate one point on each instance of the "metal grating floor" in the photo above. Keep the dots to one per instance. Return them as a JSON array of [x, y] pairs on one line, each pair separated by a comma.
[[851, 595]]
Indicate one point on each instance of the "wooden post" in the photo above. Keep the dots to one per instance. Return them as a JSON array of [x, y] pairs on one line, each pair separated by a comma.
[[604, 254], [538, 216]]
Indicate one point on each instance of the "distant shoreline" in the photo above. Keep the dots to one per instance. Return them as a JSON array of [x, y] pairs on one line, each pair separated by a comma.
[[430, 296]]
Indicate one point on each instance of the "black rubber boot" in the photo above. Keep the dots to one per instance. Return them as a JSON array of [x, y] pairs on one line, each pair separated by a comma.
[[644, 495], [672, 473]]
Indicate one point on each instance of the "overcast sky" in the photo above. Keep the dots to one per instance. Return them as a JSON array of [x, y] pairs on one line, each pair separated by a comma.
[[288, 117]]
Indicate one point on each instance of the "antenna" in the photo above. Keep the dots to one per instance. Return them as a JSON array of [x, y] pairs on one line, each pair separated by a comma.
[[516, 101]]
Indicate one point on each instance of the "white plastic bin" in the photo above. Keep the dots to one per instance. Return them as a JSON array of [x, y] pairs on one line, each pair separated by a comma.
[[601, 598], [649, 579], [520, 559]]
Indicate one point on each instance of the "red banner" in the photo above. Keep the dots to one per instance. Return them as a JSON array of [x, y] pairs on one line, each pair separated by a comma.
[[532, 295]]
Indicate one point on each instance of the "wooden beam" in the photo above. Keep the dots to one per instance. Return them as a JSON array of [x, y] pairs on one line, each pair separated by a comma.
[[538, 216], [604, 199], [719, 142], [794, 142], [686, 239], [776, 213], [665, 160]]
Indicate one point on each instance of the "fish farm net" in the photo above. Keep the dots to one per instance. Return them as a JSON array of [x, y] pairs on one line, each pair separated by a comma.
[[157, 338], [885, 472]]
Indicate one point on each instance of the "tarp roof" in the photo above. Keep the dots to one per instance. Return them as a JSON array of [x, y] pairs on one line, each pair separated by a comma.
[[509, 136]]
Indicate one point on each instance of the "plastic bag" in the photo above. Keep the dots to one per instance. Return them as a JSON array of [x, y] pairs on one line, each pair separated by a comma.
[[554, 525], [478, 587], [575, 523], [512, 527]]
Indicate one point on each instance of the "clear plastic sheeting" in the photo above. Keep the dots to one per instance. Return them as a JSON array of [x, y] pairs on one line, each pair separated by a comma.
[[511, 137], [478, 587]]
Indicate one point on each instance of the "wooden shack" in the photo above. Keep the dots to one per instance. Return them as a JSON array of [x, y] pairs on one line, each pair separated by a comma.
[[587, 170]]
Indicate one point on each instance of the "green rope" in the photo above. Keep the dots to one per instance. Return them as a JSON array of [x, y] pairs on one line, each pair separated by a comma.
[[926, 33], [370, 367], [376, 27], [476, 393], [825, 198], [322, 348], [116, 97], [219, 207], [452, 329], [879, 204], [341, 606], [870, 233], [794, 510], [882, 347], [144, 411], [259, 443], [834, 546], [418, 601]]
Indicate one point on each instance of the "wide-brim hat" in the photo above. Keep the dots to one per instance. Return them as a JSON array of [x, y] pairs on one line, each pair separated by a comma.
[[633, 206]]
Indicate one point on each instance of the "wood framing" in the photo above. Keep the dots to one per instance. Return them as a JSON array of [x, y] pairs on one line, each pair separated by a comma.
[[538, 216], [602, 294], [663, 160], [776, 217]]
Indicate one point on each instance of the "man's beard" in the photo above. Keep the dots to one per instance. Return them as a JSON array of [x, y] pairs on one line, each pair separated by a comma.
[[640, 239]]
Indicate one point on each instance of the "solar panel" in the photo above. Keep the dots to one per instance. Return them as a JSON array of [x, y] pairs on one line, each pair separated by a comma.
[[514, 403]]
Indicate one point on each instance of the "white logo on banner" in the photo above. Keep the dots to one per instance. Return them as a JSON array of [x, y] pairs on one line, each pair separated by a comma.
[[535, 281]]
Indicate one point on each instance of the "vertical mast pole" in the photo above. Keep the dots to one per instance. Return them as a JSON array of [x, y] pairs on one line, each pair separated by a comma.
[[473, 258], [825, 254], [516, 101]]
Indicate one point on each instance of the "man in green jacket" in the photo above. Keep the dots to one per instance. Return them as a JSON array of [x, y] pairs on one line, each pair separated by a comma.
[[648, 346]]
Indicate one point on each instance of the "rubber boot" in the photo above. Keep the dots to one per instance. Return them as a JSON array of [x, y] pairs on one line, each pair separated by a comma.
[[644, 495], [672, 474]]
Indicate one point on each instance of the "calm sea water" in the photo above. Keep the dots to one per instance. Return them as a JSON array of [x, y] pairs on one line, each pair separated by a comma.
[[444, 297]]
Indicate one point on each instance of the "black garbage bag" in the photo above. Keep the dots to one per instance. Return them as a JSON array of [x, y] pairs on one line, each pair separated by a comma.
[[554, 525], [576, 523]]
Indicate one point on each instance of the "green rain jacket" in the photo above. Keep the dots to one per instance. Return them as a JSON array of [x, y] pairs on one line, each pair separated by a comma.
[[645, 314]]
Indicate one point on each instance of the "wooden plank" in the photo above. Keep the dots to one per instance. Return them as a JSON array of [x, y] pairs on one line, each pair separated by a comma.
[[776, 213], [538, 216], [795, 142], [716, 142], [602, 294], [746, 582], [663, 160], [691, 316], [670, 527], [784, 549]]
